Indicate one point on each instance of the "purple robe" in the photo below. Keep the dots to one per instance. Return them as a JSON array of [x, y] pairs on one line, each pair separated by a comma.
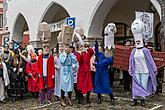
[[137, 89]]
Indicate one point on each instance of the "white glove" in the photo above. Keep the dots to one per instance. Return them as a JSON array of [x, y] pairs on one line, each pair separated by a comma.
[[14, 69], [20, 70]]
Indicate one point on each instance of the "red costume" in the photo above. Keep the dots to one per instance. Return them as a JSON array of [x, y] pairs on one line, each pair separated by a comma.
[[31, 68], [84, 78], [50, 72]]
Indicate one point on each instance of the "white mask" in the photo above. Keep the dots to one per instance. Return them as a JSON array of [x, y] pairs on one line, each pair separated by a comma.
[[137, 28], [109, 32]]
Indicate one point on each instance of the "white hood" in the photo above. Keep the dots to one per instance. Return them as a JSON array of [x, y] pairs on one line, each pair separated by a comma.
[[109, 32], [137, 28]]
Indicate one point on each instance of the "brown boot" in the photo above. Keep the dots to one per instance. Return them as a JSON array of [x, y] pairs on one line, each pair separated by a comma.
[[63, 103], [70, 102]]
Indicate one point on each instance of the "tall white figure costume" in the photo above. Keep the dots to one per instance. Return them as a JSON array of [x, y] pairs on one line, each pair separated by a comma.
[[78, 37], [137, 28], [142, 67], [30, 49], [109, 32]]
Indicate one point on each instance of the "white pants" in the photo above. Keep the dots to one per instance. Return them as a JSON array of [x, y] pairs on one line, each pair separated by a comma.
[[142, 79], [2, 90]]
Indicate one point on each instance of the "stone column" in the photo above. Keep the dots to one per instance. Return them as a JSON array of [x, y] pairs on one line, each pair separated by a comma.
[[36, 44], [162, 36], [162, 29], [91, 40]]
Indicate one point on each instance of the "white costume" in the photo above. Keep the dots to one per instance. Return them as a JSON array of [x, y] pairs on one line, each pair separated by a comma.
[[5, 82], [137, 28], [141, 66], [78, 36], [109, 32], [57, 89], [30, 49]]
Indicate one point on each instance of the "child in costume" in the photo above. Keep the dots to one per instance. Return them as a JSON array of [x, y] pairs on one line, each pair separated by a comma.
[[32, 71]]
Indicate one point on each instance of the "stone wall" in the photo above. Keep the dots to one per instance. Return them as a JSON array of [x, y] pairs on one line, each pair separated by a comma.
[[162, 30], [162, 35]]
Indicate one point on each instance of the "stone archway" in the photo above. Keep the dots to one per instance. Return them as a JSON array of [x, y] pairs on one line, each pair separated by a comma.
[[54, 13], [103, 9], [20, 27]]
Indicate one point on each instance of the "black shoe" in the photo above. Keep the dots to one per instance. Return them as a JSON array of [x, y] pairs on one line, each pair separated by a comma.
[[99, 101], [142, 102], [76, 98], [81, 101], [3, 101], [42, 103], [88, 101], [134, 102], [112, 99], [57, 98]]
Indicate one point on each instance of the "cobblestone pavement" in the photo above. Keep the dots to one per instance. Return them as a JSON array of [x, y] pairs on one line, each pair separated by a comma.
[[122, 102]]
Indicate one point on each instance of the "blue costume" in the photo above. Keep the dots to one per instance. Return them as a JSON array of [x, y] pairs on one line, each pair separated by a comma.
[[101, 82], [66, 71]]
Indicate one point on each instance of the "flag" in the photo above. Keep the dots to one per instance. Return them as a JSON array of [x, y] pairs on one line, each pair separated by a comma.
[[148, 20]]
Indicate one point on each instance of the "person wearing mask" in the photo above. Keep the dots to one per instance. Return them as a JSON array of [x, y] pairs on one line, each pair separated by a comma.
[[67, 59], [101, 82], [4, 80], [46, 71], [84, 77], [142, 67], [32, 71], [75, 70]]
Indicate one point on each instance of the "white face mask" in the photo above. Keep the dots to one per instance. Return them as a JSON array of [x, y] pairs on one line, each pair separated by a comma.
[[137, 28], [109, 32]]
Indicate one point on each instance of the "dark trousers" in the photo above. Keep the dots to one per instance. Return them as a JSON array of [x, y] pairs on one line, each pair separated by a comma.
[[75, 89], [35, 94], [111, 75], [81, 97], [93, 77], [110, 95], [63, 94], [127, 79]]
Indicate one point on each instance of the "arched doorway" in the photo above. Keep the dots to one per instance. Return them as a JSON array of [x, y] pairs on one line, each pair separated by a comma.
[[20, 27], [119, 12], [54, 13]]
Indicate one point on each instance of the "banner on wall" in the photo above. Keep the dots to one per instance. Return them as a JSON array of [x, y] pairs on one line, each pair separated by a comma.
[[57, 26], [148, 20], [54, 27]]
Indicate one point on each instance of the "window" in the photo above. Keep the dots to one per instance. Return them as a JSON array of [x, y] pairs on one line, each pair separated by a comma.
[[123, 33]]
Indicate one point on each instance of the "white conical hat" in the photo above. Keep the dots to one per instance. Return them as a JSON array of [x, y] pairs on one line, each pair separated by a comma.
[[137, 28]]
